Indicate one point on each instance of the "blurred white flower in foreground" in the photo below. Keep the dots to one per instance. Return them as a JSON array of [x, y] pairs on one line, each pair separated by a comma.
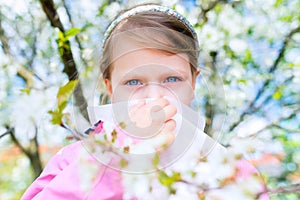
[[29, 110]]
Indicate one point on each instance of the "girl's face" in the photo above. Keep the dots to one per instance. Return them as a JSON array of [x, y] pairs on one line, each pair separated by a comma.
[[147, 73]]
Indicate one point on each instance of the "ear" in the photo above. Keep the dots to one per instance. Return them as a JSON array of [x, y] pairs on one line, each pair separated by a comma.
[[108, 85]]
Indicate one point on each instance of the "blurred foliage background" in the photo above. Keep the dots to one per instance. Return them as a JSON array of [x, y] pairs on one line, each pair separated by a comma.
[[248, 88]]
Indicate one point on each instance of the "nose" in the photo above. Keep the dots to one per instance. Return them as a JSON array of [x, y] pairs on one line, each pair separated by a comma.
[[154, 90], [151, 91]]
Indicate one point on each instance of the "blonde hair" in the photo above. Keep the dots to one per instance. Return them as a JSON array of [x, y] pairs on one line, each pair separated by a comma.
[[154, 30]]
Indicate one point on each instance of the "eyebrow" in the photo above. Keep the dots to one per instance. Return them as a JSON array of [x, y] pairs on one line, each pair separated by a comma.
[[167, 73]]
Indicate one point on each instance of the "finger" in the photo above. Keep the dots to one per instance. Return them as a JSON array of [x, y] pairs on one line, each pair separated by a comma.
[[137, 106], [166, 136], [157, 104], [170, 111], [164, 115], [170, 137], [170, 126]]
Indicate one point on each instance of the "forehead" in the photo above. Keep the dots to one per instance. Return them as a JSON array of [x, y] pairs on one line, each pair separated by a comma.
[[140, 38], [151, 62]]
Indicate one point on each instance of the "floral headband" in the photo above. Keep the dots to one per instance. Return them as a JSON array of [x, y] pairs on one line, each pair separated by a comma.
[[145, 8]]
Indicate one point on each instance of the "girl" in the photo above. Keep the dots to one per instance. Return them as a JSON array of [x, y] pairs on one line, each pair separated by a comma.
[[149, 59]]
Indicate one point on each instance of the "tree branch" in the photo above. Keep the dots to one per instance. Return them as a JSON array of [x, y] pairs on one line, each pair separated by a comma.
[[275, 64], [6, 132], [3, 38], [287, 189], [210, 108], [35, 159], [32, 152], [22, 72], [208, 6], [52, 15], [67, 57], [26, 75], [262, 88], [286, 129], [33, 46], [269, 98], [205, 8], [76, 37], [17, 142], [275, 124]]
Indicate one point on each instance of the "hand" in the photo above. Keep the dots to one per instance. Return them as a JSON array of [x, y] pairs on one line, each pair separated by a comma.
[[150, 119]]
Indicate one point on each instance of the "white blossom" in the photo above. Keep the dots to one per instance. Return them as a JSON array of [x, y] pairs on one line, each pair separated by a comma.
[[239, 46], [228, 193], [210, 38], [136, 185], [89, 170], [112, 9], [29, 110]]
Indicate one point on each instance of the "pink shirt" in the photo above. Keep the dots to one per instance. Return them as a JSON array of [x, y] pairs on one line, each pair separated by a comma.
[[62, 177]]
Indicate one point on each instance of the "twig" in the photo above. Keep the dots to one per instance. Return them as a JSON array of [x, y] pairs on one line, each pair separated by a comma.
[[3, 38], [274, 124], [286, 189], [7, 132], [272, 69], [76, 37], [206, 8], [17, 142], [25, 74], [74, 133], [286, 129]]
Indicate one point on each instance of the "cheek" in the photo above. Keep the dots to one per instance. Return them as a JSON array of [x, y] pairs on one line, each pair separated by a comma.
[[185, 93], [120, 93]]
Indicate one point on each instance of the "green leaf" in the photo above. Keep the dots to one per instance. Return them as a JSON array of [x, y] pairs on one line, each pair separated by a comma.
[[193, 174], [248, 55], [72, 32], [26, 90], [244, 81], [169, 180], [114, 135], [155, 160], [56, 116], [65, 93], [164, 178], [102, 8], [278, 3], [62, 106], [287, 18], [291, 65], [61, 40], [278, 93], [218, 8], [123, 163], [61, 36]]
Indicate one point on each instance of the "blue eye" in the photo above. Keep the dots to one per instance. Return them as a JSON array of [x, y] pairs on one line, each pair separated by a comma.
[[172, 79], [133, 82]]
